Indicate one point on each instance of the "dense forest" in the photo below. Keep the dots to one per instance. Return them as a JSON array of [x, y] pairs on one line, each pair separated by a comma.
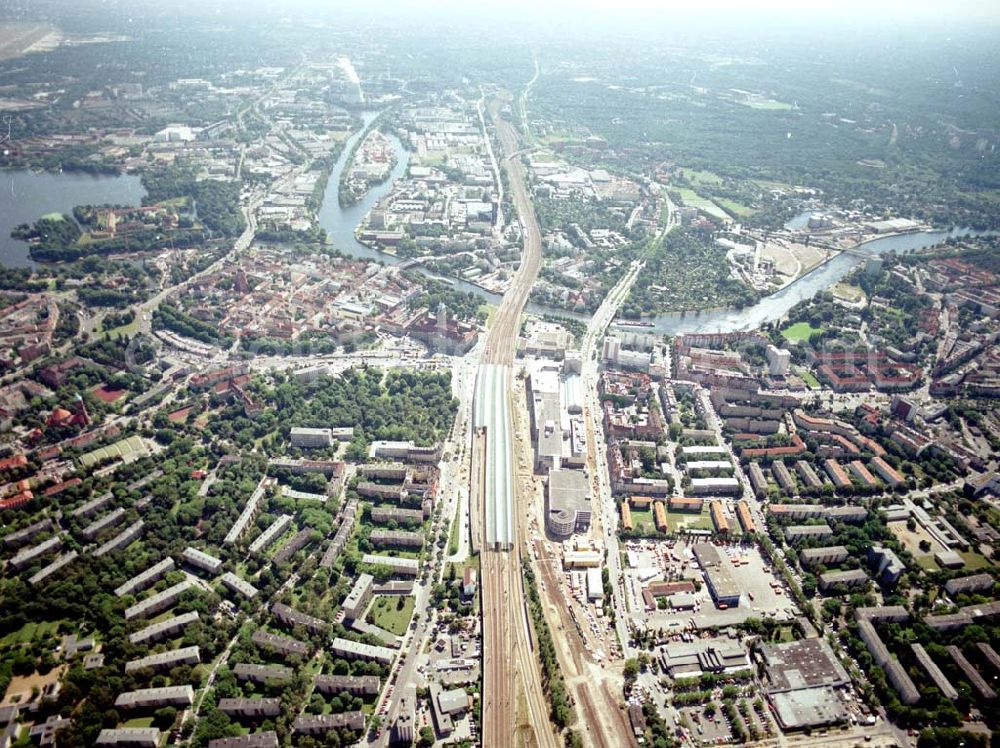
[[217, 203], [892, 128]]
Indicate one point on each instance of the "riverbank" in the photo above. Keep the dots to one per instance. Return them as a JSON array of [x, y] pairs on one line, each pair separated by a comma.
[[774, 307], [346, 196], [340, 224]]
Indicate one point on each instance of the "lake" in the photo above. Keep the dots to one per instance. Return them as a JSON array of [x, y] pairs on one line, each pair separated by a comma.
[[25, 196]]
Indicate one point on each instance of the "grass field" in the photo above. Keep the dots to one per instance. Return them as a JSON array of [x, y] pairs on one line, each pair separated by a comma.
[[680, 521], [128, 330], [701, 177], [139, 722], [810, 380], [29, 632], [642, 521], [975, 561], [127, 449], [767, 184], [799, 332], [693, 200], [386, 615], [737, 209], [453, 536], [852, 294]]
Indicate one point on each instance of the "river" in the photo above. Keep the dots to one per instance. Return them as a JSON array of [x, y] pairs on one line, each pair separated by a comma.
[[28, 195], [340, 223], [775, 306]]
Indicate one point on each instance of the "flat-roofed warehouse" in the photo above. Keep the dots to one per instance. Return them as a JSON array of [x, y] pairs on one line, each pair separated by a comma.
[[706, 554], [492, 414], [568, 497], [697, 657], [718, 575], [801, 664], [808, 707], [802, 679]]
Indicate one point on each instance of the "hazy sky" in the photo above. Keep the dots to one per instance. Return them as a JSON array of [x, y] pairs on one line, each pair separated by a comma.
[[863, 12], [550, 18]]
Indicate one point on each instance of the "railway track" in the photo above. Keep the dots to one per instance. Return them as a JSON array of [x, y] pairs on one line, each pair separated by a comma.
[[509, 666]]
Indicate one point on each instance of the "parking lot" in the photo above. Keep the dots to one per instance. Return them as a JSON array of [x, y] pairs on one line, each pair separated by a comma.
[[707, 730]]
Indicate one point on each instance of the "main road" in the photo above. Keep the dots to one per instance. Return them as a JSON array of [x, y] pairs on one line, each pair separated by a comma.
[[514, 704]]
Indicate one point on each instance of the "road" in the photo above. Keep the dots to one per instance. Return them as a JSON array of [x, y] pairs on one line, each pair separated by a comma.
[[145, 309], [454, 468], [514, 703], [597, 449], [480, 106]]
